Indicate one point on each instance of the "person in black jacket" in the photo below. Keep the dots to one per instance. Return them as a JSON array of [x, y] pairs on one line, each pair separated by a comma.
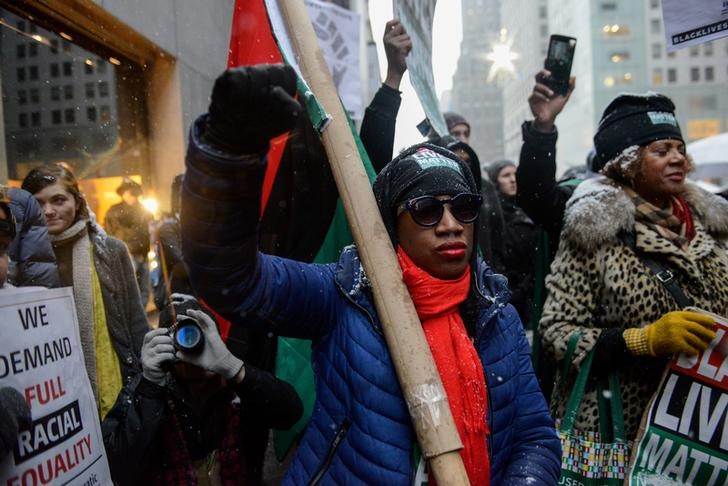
[[380, 118], [520, 238], [176, 422]]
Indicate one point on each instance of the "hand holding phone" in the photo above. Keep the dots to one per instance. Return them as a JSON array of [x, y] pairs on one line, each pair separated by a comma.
[[558, 62]]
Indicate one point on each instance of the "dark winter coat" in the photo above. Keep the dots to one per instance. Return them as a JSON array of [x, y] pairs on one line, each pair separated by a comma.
[[520, 244], [360, 431], [133, 428], [32, 261], [130, 224], [378, 126]]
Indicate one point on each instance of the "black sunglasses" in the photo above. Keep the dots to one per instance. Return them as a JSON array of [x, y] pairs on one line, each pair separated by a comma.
[[428, 210]]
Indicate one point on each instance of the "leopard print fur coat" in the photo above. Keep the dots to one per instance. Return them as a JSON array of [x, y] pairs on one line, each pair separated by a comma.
[[597, 282]]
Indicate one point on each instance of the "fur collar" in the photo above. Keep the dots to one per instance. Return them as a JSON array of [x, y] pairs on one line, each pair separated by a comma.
[[599, 210]]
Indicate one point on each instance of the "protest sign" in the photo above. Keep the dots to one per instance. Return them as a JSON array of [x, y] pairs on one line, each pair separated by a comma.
[[41, 357], [685, 428], [694, 22], [417, 17], [337, 30]]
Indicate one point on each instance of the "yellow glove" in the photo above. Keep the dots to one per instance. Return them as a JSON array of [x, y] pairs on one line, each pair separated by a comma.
[[675, 332]]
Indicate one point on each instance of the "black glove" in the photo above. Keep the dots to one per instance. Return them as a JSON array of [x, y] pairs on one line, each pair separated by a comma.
[[249, 106], [14, 417]]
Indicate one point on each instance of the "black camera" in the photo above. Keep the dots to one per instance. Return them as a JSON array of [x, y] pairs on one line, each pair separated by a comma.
[[186, 333]]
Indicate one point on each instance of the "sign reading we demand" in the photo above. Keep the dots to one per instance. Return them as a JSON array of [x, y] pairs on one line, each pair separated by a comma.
[[686, 427], [40, 356]]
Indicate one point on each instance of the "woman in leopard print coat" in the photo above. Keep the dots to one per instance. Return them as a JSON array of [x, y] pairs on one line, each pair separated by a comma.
[[598, 286]]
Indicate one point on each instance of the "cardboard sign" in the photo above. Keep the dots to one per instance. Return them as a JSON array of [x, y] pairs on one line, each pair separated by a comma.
[[337, 30], [417, 17], [686, 426], [41, 357], [694, 22]]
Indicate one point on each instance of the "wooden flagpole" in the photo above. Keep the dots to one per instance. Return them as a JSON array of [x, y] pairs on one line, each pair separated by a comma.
[[413, 362]]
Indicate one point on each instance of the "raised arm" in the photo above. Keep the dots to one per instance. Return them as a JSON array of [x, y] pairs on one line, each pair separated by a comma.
[[538, 193], [377, 128], [221, 207]]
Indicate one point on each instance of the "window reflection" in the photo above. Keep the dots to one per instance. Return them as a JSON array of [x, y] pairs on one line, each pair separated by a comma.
[[63, 102]]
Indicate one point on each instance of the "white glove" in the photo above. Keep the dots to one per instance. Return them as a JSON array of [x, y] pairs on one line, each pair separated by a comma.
[[215, 356], [157, 349]]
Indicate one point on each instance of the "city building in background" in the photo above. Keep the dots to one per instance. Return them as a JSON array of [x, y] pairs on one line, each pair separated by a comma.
[[527, 20], [479, 102], [621, 48], [109, 88]]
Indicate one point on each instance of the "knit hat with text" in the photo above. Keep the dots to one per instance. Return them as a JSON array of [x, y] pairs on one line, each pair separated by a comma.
[[634, 119]]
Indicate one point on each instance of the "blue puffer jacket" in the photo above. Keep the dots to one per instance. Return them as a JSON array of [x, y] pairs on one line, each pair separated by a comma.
[[360, 430], [33, 262]]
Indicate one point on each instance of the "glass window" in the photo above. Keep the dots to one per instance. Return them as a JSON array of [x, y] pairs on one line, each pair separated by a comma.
[[118, 130], [33, 73], [655, 26], [672, 75], [619, 56], [88, 68], [32, 49], [657, 77], [656, 51], [609, 6], [654, 4], [20, 51], [694, 74], [20, 24], [671, 54], [694, 51], [708, 48], [709, 73]]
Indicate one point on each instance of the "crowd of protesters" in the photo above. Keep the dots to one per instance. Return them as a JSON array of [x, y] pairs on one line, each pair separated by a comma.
[[518, 279]]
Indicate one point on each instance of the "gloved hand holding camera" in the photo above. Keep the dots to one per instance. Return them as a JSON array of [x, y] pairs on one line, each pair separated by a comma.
[[249, 106], [215, 356], [157, 351], [196, 339]]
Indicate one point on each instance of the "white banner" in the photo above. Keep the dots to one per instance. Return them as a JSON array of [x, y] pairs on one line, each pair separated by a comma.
[[417, 17], [41, 357], [337, 30], [694, 22]]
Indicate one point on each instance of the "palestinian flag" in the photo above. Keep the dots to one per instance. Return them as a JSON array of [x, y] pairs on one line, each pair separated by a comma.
[[301, 217]]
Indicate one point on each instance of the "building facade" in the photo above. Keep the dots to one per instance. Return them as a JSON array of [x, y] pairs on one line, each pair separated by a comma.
[[478, 101]]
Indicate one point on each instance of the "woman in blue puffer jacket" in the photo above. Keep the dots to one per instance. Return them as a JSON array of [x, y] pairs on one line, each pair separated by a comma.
[[360, 430]]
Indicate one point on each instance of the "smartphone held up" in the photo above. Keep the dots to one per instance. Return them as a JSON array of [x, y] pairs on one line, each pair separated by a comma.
[[558, 62]]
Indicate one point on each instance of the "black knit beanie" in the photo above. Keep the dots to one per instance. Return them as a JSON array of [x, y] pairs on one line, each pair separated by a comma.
[[452, 144], [634, 119], [421, 170]]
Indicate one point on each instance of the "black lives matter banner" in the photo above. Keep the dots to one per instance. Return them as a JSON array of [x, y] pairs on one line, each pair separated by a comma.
[[686, 427], [694, 22], [40, 356]]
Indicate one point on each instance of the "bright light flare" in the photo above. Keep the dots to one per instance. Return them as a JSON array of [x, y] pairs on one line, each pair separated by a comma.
[[150, 204], [502, 58]]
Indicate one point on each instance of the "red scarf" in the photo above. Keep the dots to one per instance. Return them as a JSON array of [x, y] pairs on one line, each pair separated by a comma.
[[457, 361], [681, 210]]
